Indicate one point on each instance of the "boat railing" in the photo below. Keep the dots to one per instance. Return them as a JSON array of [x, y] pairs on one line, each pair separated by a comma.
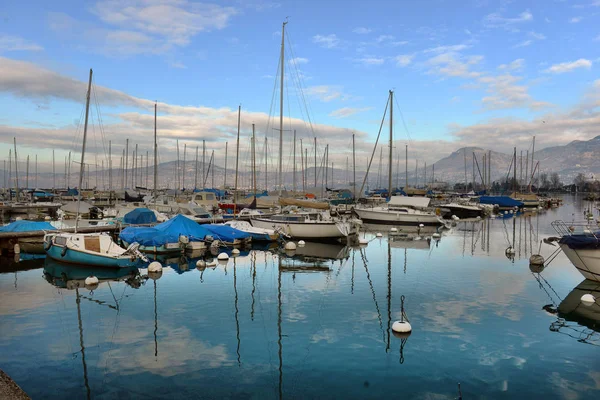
[[576, 228]]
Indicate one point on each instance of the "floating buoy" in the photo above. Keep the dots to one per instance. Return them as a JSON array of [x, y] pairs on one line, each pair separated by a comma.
[[17, 248], [378, 235], [536, 259], [505, 212], [290, 246], [155, 266], [509, 250], [455, 218], [235, 252], [436, 235], [478, 217], [200, 264], [401, 327], [362, 241], [512, 211], [393, 229], [91, 280], [588, 299], [155, 275], [223, 256], [421, 225], [47, 218], [301, 243]]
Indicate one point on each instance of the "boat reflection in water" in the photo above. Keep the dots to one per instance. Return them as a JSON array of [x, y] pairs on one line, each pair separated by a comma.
[[313, 256], [573, 310], [73, 277]]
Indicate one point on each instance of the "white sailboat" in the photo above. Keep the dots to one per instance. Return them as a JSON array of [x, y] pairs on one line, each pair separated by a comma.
[[399, 210], [90, 249]]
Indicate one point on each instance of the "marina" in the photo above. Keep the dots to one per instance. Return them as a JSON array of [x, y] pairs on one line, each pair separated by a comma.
[[274, 321]]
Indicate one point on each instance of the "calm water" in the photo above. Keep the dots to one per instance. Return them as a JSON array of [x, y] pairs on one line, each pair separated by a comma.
[[269, 326]]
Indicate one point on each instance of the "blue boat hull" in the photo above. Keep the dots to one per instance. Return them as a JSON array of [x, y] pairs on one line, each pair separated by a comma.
[[73, 256], [154, 249], [503, 202]]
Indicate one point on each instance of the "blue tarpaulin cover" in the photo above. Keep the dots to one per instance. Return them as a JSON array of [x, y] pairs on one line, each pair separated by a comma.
[[180, 225], [146, 236], [226, 233], [502, 201], [27, 226], [582, 241], [140, 216]]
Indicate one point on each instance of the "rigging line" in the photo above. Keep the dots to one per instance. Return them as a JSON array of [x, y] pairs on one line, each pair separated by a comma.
[[410, 140], [100, 121], [364, 258]]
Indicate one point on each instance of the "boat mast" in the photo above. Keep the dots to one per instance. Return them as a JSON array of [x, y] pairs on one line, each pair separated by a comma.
[[124, 165], [82, 166], [465, 157], [279, 176], [203, 164], [532, 155], [237, 154], [183, 171], [353, 167], [391, 140], [315, 162], [53, 172], [155, 157], [147, 167], [196, 172], [225, 172], [294, 163], [27, 173], [254, 160], [266, 166], [303, 170], [406, 166], [515, 172], [16, 169]]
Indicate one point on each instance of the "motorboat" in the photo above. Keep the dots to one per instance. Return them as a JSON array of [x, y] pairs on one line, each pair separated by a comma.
[[308, 225], [400, 210]]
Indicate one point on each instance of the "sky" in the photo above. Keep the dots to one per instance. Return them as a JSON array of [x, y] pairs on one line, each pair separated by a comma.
[[464, 73]]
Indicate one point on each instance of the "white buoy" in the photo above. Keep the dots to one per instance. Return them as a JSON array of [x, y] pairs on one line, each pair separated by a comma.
[[509, 250], [290, 246], [91, 280], [393, 229], [436, 235], [378, 235], [19, 219], [155, 275], [155, 266], [17, 248], [478, 217], [536, 259], [455, 218], [401, 327], [505, 212], [588, 299], [47, 218], [421, 225], [200, 264], [223, 256], [301, 243], [363, 241], [235, 252]]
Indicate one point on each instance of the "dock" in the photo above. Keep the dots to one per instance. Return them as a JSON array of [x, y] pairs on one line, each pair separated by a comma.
[[9, 389]]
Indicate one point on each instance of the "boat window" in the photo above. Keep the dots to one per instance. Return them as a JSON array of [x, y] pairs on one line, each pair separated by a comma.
[[210, 196], [60, 240]]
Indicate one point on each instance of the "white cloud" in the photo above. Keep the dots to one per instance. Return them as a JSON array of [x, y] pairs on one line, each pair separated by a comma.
[[361, 30], [298, 60], [495, 20], [16, 43], [453, 64], [384, 38], [505, 92], [575, 20], [370, 60], [516, 65], [569, 66], [347, 112], [404, 59], [537, 36], [445, 49], [327, 93], [524, 43], [327, 41]]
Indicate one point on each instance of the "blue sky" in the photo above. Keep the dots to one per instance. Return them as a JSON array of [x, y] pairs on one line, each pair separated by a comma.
[[486, 73]]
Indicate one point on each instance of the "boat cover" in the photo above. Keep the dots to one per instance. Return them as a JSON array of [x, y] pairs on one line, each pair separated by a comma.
[[146, 236], [226, 233], [304, 203], [27, 226], [181, 225], [582, 241], [502, 201], [140, 216]]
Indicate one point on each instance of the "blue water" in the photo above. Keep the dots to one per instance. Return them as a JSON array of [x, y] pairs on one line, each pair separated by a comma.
[[269, 326]]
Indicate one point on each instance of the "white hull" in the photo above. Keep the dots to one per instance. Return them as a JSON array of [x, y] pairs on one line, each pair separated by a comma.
[[587, 262], [385, 216], [305, 230]]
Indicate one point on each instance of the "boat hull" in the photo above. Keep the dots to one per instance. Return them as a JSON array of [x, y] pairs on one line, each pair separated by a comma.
[[163, 249], [396, 218], [587, 261], [463, 212], [301, 230], [73, 256]]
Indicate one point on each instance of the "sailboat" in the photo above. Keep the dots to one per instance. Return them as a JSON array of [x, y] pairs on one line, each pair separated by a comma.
[[92, 249], [401, 210], [303, 225]]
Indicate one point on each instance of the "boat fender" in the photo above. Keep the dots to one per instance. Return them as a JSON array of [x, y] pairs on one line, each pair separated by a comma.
[[588, 299], [63, 252]]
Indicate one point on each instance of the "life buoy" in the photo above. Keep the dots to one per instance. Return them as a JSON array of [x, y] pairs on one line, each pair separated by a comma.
[[63, 252]]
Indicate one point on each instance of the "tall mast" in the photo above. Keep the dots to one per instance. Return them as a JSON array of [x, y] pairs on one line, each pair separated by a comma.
[[134, 172], [266, 166], [82, 166], [294, 163], [391, 140], [303, 170], [109, 166], [406, 166], [36, 172], [16, 169], [237, 154], [282, 58], [10, 173], [225, 173], [155, 157], [196, 173], [315, 162], [147, 168], [465, 157], [125, 164], [515, 171], [212, 169], [203, 163], [254, 160], [53, 171], [489, 160], [183, 171], [532, 172], [27, 173], [353, 167]]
